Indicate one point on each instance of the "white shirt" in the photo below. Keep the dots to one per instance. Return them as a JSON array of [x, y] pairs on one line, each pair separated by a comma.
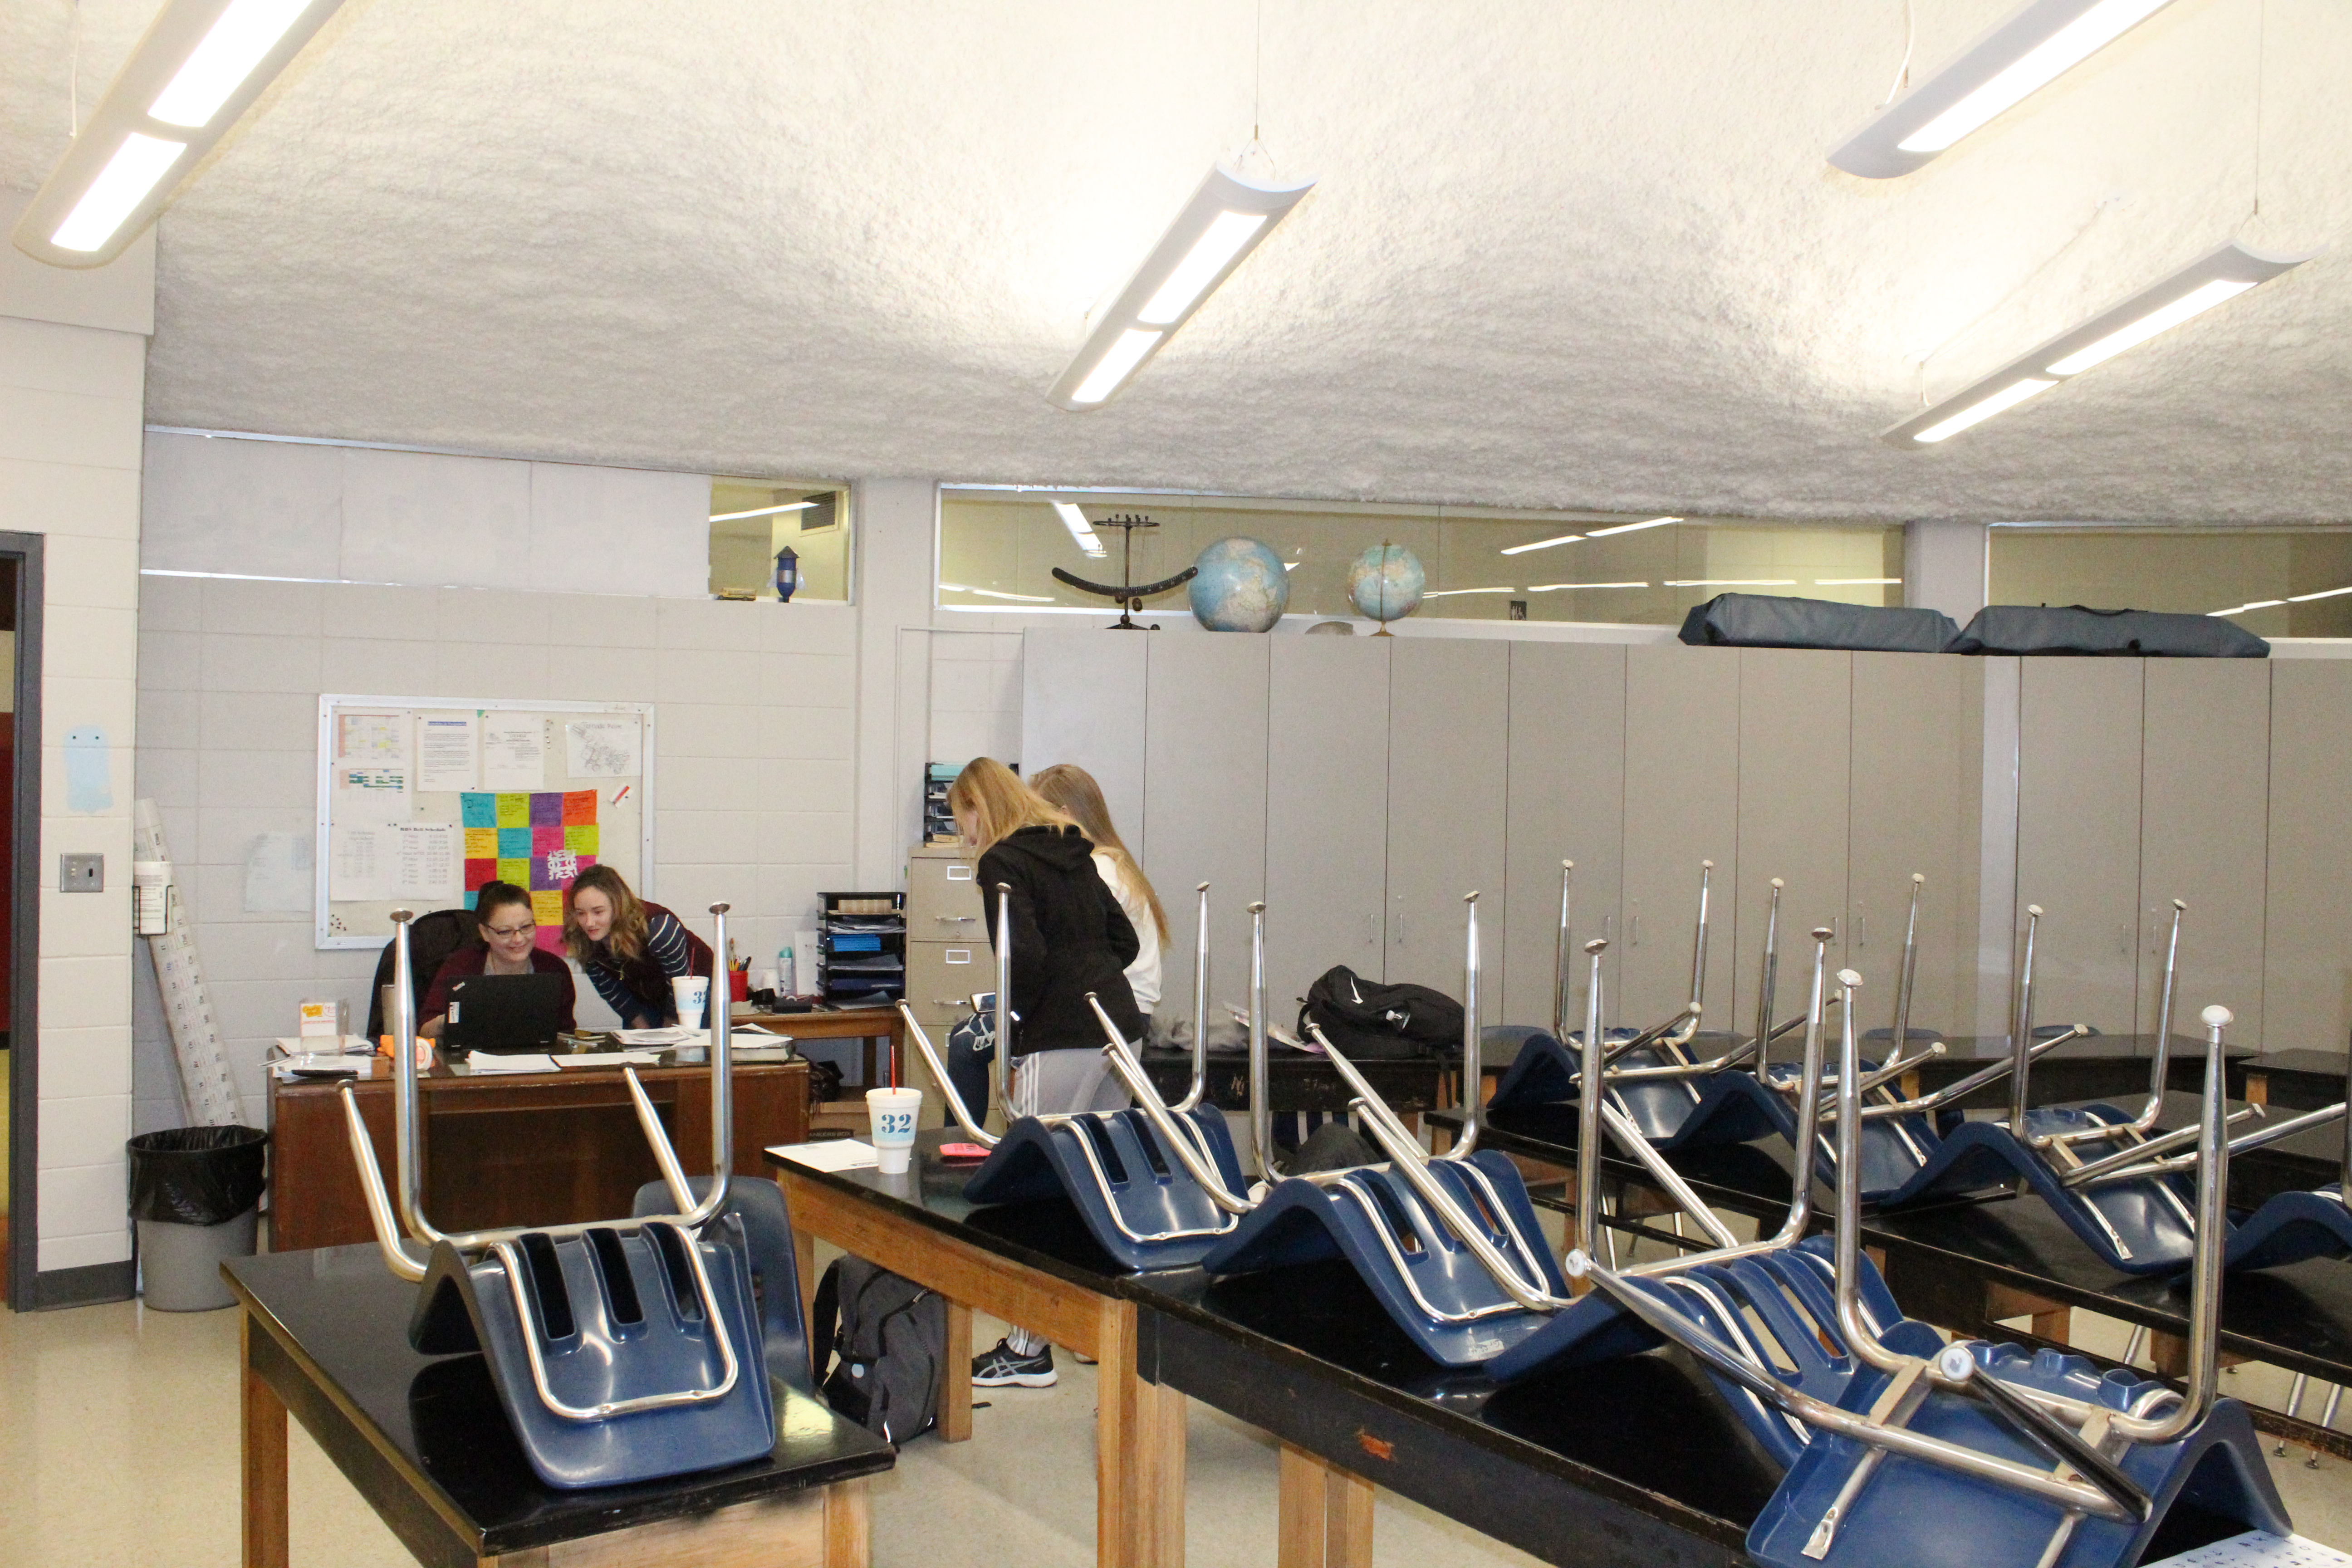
[[1143, 974]]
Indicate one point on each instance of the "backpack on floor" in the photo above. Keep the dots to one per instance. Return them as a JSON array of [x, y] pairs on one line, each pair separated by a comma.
[[1365, 1018], [891, 1336]]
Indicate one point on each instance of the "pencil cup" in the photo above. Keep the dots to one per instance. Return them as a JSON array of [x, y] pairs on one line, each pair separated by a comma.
[[895, 1112], [690, 992]]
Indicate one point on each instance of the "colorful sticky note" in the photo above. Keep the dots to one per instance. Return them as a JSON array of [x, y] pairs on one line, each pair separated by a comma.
[[546, 840], [514, 810], [514, 843], [478, 809], [547, 908], [471, 897], [581, 840], [547, 809], [478, 870], [517, 871], [579, 808], [482, 843]]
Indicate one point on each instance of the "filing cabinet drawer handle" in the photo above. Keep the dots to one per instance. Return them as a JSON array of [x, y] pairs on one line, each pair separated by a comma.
[[960, 873], [956, 954], [955, 919]]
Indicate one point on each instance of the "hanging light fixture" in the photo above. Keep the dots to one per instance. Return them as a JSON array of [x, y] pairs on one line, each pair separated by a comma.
[[2208, 281], [1228, 217], [198, 68], [2016, 57]]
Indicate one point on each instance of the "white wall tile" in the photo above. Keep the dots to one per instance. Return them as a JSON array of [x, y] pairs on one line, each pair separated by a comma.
[[48, 356], [256, 780], [718, 624], [697, 730], [170, 604], [84, 1121], [707, 837], [376, 666], [623, 674], [243, 607], [88, 925], [86, 1200], [250, 721], [711, 783], [91, 1060], [69, 701], [40, 497], [80, 641], [69, 428], [166, 776], [809, 680], [224, 837], [379, 610], [606, 620], [473, 669], [825, 735], [808, 628], [78, 992], [169, 661], [493, 615], [235, 663], [82, 1251], [688, 675], [103, 573]]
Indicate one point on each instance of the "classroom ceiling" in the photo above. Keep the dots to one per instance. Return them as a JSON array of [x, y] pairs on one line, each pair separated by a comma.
[[1566, 254]]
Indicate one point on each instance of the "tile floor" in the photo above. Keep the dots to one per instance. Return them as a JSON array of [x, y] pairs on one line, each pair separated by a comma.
[[118, 1445]]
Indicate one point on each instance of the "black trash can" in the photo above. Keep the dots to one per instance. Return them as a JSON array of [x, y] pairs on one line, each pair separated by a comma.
[[195, 1192]]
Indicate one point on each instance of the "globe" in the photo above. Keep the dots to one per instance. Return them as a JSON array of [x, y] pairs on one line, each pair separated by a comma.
[[1241, 586], [1385, 582]]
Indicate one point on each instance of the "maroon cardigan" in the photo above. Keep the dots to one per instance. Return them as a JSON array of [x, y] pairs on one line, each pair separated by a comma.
[[469, 960]]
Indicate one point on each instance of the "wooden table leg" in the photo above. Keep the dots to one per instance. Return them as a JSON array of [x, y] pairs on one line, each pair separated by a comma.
[[804, 1265], [1119, 1535], [848, 1525], [265, 1463], [1326, 1514], [1347, 1519], [955, 1379], [1158, 1490]]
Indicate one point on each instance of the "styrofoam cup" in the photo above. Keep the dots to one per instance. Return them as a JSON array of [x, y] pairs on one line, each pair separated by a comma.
[[894, 1113], [691, 992]]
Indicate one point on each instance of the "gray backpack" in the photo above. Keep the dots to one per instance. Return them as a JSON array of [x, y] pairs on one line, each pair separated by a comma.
[[891, 1336]]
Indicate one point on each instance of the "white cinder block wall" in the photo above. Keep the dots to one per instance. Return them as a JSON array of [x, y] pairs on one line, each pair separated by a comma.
[[754, 729], [72, 376]]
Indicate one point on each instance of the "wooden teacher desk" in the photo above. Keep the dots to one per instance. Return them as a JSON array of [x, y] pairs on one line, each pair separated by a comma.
[[513, 1147], [423, 1439]]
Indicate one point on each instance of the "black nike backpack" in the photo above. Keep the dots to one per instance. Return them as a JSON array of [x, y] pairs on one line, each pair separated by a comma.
[[1365, 1019]]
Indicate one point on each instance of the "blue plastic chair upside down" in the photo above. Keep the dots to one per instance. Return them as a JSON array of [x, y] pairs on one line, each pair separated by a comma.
[[1129, 1188]]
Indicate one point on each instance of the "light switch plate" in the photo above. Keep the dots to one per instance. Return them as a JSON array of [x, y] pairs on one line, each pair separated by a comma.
[[81, 873]]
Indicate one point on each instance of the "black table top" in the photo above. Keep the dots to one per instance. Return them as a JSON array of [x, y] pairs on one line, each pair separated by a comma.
[[2302, 1080], [1047, 1236], [1308, 1355], [411, 1429]]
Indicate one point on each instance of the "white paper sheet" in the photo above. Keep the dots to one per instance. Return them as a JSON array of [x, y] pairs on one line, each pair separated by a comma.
[[483, 1062], [277, 874], [514, 753], [425, 861], [372, 741], [836, 1154], [359, 861], [610, 1059], [603, 749], [671, 1036], [448, 752]]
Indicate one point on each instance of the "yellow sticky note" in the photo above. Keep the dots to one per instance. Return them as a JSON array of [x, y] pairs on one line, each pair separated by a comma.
[[547, 909], [514, 810], [481, 844], [581, 840], [515, 871]]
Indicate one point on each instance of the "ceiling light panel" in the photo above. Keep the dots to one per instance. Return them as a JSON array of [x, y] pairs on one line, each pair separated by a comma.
[[1542, 544], [2017, 57], [1630, 527], [198, 69], [1228, 217], [1089, 541], [2211, 281]]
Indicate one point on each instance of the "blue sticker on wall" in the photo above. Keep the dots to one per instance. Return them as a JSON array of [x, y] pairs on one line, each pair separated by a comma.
[[89, 772]]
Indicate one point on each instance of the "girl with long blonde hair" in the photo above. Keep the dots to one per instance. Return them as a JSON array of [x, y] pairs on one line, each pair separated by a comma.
[[1073, 790]]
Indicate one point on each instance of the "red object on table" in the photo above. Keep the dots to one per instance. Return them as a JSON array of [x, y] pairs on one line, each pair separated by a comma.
[[739, 985]]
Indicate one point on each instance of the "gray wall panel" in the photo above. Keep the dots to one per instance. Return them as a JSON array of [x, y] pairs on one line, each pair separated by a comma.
[[1681, 806], [1204, 803], [2308, 933], [2078, 835], [1795, 723], [1327, 810], [2204, 831], [1567, 801], [1082, 701], [1449, 734]]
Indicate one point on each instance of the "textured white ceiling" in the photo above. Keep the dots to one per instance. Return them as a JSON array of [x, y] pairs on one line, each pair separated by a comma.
[[1576, 255]]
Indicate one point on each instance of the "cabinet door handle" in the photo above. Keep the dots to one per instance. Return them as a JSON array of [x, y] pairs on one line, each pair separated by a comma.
[[954, 919]]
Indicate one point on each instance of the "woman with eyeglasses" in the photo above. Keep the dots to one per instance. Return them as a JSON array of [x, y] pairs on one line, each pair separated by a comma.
[[510, 945]]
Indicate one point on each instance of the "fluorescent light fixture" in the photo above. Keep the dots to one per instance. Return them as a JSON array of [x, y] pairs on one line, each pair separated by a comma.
[[122, 185], [1856, 581], [1542, 544], [761, 511], [1228, 217], [2211, 280], [997, 594], [198, 68], [1731, 583], [2194, 303], [1448, 592], [2257, 604], [247, 30], [1080, 528], [2018, 56], [1559, 587], [1629, 527], [2322, 594]]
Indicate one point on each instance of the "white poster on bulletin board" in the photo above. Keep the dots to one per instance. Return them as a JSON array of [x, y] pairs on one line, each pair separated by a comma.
[[422, 801]]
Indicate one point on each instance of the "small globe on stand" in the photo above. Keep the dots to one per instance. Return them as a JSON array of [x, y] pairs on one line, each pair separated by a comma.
[[1241, 586], [1385, 584]]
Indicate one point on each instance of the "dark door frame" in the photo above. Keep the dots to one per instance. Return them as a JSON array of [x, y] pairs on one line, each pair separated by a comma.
[[23, 891]]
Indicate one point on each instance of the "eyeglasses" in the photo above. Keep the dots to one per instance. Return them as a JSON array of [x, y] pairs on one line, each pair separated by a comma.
[[509, 932]]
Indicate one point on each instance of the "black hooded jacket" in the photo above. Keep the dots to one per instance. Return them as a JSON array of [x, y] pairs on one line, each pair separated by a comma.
[[1070, 937]]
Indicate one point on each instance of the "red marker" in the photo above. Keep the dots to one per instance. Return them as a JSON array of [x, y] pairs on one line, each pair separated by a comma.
[[616, 799]]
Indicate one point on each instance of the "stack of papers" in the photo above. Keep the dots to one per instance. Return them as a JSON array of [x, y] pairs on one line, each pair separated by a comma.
[[325, 1044], [320, 1064], [610, 1059], [836, 1154], [673, 1035]]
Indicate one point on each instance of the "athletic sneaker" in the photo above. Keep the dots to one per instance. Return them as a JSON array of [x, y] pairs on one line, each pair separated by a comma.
[[1005, 1366]]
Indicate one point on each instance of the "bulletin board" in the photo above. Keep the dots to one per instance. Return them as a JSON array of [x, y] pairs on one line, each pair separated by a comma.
[[423, 800]]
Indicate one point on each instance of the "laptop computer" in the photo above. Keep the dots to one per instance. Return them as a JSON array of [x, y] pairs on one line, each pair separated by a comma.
[[505, 1012]]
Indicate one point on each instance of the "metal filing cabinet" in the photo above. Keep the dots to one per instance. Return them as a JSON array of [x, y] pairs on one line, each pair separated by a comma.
[[948, 956]]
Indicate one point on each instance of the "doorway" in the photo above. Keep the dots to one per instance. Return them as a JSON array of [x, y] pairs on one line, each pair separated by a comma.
[[20, 906]]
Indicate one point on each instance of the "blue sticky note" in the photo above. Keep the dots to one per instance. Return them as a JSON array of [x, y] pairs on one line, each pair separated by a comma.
[[480, 808], [514, 843], [89, 772]]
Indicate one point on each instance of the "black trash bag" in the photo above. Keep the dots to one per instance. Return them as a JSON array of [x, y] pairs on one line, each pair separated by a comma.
[[197, 1175]]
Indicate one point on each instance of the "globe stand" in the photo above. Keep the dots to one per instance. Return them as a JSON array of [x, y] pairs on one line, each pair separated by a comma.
[[1129, 595]]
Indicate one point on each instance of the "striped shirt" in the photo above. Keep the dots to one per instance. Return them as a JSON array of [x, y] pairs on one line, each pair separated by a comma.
[[640, 987]]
